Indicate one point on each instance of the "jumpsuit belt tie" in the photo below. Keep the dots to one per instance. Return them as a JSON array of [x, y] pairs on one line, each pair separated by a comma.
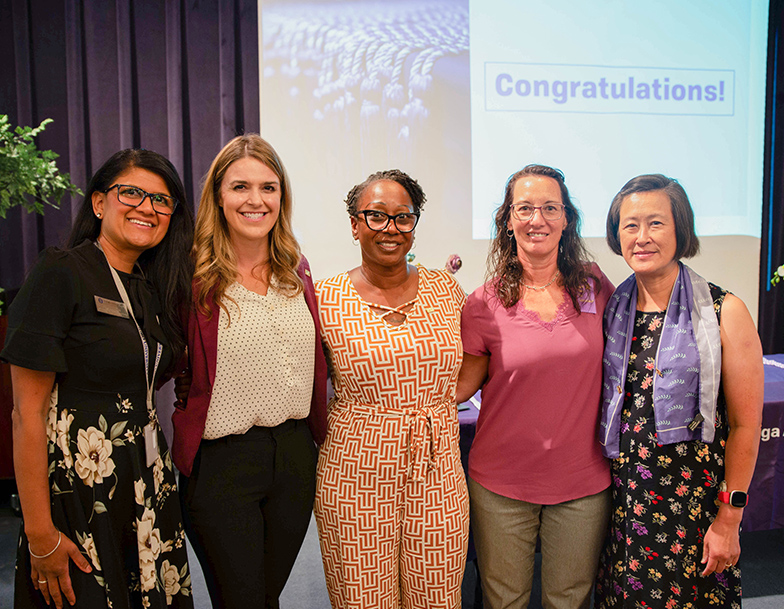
[[424, 435], [423, 432]]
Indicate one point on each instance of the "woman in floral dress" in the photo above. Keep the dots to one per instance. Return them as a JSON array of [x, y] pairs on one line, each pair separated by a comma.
[[90, 336], [683, 384]]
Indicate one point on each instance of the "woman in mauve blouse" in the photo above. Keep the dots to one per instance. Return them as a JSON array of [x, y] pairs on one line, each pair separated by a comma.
[[532, 337]]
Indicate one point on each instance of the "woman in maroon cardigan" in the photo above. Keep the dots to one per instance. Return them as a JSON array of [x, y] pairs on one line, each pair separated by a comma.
[[245, 439]]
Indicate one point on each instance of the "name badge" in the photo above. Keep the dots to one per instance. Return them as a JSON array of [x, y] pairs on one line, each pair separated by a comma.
[[150, 444], [111, 307]]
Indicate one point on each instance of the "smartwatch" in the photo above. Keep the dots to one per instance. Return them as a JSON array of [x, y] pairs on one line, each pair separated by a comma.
[[737, 499]]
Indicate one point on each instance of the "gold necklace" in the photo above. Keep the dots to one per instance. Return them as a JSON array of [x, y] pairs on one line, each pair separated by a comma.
[[545, 286]]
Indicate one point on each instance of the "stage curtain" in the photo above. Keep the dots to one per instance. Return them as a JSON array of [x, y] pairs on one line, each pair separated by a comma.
[[771, 299], [177, 77]]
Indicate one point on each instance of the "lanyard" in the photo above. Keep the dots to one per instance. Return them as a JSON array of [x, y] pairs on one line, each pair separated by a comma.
[[149, 381]]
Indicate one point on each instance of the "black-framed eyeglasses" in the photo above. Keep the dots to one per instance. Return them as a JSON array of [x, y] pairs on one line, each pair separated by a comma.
[[378, 220], [549, 211], [133, 196]]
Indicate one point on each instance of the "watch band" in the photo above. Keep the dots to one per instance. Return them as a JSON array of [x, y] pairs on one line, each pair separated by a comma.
[[736, 499]]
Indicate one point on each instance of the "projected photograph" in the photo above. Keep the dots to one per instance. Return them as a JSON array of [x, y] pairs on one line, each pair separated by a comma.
[[371, 76]]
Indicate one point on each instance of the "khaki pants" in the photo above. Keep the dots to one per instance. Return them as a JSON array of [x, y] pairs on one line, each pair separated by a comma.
[[505, 533]]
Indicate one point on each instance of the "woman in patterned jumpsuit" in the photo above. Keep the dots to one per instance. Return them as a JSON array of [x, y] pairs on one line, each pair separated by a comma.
[[391, 500]]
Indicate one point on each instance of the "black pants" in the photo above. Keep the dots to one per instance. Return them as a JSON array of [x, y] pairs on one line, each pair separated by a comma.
[[247, 507]]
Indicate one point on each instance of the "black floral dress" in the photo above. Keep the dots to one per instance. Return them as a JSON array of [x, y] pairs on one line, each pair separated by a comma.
[[664, 500], [123, 515]]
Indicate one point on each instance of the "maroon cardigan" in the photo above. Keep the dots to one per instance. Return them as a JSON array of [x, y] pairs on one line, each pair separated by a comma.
[[202, 332]]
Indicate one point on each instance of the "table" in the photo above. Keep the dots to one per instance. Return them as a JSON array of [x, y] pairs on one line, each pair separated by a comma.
[[766, 492]]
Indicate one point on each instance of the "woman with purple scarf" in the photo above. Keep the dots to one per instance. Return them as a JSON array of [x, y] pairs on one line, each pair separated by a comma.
[[682, 408]]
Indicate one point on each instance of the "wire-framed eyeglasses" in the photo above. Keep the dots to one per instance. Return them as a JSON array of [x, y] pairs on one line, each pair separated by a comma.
[[378, 220], [133, 196], [550, 211]]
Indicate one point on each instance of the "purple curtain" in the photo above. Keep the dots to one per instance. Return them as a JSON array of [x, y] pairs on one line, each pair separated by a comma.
[[177, 77], [771, 299]]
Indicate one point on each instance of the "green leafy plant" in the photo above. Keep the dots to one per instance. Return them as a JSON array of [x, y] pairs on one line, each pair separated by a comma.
[[778, 275], [29, 177]]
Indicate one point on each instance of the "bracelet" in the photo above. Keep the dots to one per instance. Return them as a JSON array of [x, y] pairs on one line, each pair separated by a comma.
[[59, 539]]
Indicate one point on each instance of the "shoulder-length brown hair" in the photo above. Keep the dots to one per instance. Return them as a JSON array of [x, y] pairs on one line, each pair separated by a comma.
[[213, 254], [504, 269]]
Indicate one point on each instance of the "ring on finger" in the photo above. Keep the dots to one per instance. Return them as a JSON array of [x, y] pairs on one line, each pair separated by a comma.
[[42, 581]]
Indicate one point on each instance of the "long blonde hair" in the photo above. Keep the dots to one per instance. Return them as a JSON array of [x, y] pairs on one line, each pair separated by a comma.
[[213, 254]]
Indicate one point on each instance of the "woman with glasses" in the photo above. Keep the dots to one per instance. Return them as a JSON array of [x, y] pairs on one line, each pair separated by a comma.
[[92, 333], [244, 433], [533, 342], [391, 501]]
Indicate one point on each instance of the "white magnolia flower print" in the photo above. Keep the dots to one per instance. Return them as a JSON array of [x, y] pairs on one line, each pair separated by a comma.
[[170, 577], [150, 546], [51, 425], [63, 433], [93, 463], [157, 473], [89, 546], [51, 421], [147, 575], [139, 487], [148, 536]]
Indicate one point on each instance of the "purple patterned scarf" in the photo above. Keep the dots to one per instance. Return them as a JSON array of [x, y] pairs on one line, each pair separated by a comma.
[[688, 363]]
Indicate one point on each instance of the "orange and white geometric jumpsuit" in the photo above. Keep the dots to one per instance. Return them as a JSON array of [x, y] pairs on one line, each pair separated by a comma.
[[391, 499]]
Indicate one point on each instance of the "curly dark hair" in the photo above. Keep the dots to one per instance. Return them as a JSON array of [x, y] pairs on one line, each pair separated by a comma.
[[414, 190], [168, 265], [504, 270]]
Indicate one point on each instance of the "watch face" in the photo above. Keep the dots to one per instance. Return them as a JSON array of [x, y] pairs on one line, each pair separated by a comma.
[[738, 499]]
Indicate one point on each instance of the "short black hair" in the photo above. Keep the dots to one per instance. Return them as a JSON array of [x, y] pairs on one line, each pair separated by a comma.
[[414, 190], [687, 242]]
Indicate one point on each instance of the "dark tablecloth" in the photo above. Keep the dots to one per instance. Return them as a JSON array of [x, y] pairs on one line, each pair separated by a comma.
[[766, 493]]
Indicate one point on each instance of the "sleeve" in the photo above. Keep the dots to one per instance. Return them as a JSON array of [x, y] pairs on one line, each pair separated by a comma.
[[306, 271], [40, 316], [473, 322], [718, 294]]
